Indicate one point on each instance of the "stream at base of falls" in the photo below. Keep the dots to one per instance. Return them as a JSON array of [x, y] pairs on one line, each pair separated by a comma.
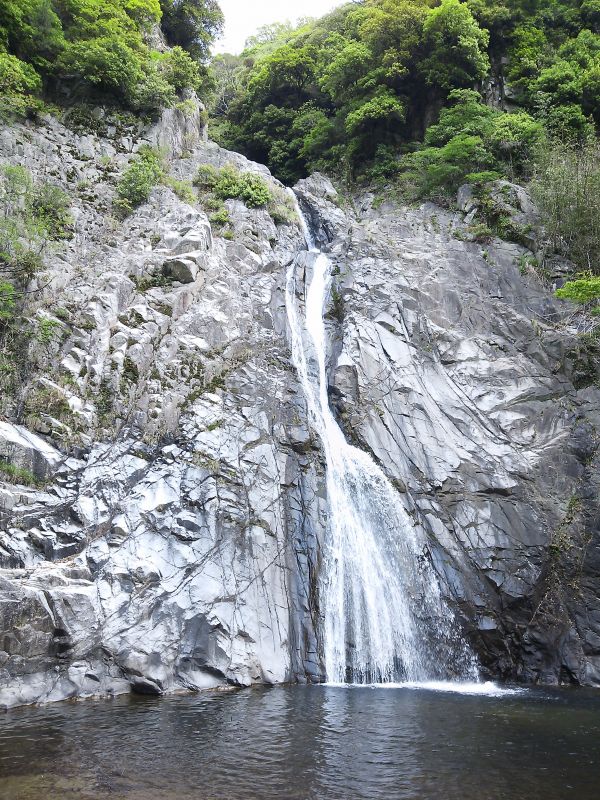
[[308, 743]]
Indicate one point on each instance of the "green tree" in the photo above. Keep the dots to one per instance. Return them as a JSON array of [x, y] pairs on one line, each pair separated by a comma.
[[192, 24], [32, 31], [567, 190], [466, 113], [436, 172], [514, 139], [374, 122], [180, 70], [17, 77], [455, 47], [140, 177]]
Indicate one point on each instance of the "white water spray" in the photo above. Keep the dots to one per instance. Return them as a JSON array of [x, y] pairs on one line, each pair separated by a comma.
[[383, 616]]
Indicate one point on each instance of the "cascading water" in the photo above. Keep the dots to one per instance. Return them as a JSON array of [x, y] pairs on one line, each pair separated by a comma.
[[384, 618]]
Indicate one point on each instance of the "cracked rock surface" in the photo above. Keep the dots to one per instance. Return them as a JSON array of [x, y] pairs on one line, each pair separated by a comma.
[[456, 368], [169, 545], [172, 539]]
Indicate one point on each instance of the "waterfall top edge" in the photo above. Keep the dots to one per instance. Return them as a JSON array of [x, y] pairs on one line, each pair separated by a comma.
[[486, 688]]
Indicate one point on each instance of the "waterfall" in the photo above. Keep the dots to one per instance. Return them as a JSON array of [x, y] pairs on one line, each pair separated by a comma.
[[383, 616]]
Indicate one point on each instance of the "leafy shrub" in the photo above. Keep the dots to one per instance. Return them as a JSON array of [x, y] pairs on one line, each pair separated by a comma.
[[152, 91], [569, 124], [481, 178], [509, 139], [250, 188], [457, 47], [105, 61], [254, 190], [212, 203], [282, 209], [229, 183], [28, 264], [188, 108], [51, 206], [103, 47], [440, 171], [514, 138], [181, 71], [7, 300], [17, 77], [183, 189], [383, 109], [191, 24], [567, 190], [582, 290], [46, 330], [206, 177], [220, 218], [140, 177], [481, 232]]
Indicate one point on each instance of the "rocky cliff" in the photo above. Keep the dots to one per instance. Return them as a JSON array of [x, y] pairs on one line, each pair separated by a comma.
[[454, 366], [171, 541]]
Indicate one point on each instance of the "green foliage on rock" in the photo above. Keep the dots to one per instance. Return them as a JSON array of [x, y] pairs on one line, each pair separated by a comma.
[[33, 214], [246, 186], [455, 45], [582, 290], [8, 300], [140, 177], [229, 183], [103, 47], [470, 143], [191, 24], [11, 473], [567, 190], [183, 189]]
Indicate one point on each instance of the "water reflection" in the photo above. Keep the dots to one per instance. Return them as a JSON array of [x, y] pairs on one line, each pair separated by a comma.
[[326, 742]]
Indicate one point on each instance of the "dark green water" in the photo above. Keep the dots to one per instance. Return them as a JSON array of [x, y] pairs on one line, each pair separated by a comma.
[[307, 742]]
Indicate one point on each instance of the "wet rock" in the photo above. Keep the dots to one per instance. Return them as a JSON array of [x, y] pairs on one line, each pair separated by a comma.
[[24, 449], [455, 371]]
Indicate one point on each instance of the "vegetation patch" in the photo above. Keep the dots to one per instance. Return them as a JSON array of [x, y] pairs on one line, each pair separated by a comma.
[[183, 189], [141, 176], [13, 474], [102, 50], [567, 190], [153, 281], [229, 183], [34, 214]]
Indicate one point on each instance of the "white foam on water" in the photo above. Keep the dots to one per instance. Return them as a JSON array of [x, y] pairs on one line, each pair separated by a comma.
[[486, 689]]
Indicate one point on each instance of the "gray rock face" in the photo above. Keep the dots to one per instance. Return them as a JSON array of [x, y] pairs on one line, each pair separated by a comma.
[[169, 547], [174, 542], [463, 378], [25, 450]]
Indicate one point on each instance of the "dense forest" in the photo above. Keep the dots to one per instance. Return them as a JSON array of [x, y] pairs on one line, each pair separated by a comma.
[[424, 95], [418, 96], [104, 49], [374, 80]]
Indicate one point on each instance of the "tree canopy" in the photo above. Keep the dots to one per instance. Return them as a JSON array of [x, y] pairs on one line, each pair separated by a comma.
[[356, 92], [105, 46]]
